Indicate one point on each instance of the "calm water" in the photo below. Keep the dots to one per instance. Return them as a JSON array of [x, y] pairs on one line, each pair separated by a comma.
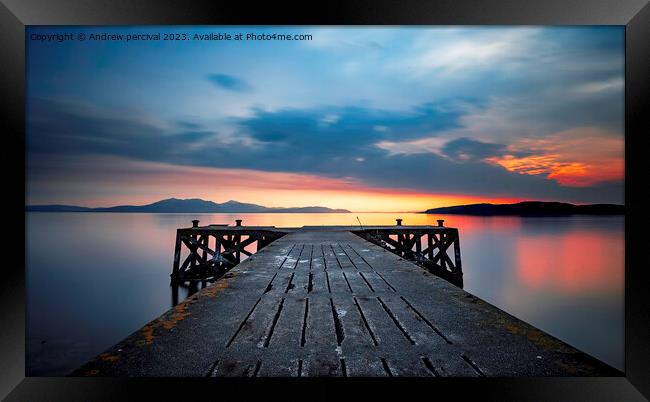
[[94, 278]]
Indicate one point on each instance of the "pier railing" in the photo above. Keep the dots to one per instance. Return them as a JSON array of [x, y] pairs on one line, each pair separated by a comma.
[[214, 249], [436, 248], [208, 252]]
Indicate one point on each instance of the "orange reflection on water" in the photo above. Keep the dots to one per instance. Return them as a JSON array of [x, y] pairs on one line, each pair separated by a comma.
[[470, 224], [574, 262]]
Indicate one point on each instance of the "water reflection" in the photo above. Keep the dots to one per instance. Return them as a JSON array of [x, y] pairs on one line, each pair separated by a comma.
[[94, 278], [578, 262]]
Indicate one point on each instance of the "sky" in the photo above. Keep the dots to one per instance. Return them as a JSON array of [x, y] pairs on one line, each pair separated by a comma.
[[368, 119]]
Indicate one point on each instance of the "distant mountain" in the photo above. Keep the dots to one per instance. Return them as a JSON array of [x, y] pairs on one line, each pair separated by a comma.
[[192, 205], [531, 208]]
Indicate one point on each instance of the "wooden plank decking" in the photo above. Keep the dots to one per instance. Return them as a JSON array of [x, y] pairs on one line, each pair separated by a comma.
[[325, 302]]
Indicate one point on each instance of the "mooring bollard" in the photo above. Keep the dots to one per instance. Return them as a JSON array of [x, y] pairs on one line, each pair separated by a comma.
[[399, 222], [195, 223], [440, 222], [238, 222]]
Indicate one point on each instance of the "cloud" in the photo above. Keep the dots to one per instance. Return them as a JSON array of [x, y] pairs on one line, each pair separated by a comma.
[[353, 124], [229, 82], [296, 141], [477, 54], [464, 149], [188, 125], [418, 146], [612, 84], [580, 157], [487, 50]]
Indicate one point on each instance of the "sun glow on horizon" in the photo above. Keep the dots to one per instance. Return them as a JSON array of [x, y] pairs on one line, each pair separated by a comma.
[[128, 182], [354, 201]]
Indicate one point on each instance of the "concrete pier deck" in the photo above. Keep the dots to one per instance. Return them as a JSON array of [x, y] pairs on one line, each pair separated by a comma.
[[326, 302]]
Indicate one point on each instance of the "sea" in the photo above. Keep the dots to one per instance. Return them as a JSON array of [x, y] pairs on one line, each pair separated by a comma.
[[94, 278]]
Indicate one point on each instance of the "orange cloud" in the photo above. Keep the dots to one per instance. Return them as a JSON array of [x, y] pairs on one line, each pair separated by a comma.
[[580, 157]]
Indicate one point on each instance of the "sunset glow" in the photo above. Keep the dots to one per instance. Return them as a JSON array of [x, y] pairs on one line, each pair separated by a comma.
[[573, 158], [365, 119], [156, 181]]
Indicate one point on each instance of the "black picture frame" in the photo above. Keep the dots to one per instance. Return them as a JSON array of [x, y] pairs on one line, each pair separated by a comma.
[[15, 15]]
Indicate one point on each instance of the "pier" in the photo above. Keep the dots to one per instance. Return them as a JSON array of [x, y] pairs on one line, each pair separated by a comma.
[[333, 301]]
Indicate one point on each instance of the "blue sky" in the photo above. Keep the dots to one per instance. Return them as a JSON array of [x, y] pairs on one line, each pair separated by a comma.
[[492, 113]]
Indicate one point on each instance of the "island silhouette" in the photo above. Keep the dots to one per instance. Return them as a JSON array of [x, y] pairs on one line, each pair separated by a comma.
[[191, 205], [530, 208]]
